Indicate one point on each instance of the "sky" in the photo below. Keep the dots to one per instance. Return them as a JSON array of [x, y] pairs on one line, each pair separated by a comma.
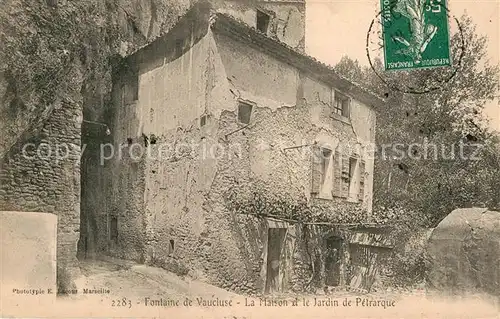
[[338, 27]]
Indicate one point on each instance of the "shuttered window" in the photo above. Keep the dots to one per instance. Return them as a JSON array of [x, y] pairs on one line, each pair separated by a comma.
[[316, 177], [337, 174], [362, 171], [345, 176], [320, 163]]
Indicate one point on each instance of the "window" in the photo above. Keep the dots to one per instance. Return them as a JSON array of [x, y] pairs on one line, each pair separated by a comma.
[[341, 104], [352, 180], [203, 120], [179, 47], [262, 21], [171, 246], [325, 160], [321, 177], [113, 229], [352, 167], [244, 112]]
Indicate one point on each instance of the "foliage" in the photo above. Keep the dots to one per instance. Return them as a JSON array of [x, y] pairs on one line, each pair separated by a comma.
[[407, 264], [418, 190], [407, 268], [435, 151], [259, 201]]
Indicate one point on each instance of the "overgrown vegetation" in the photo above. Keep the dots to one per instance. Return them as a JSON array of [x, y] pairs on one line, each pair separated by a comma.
[[257, 200], [460, 167]]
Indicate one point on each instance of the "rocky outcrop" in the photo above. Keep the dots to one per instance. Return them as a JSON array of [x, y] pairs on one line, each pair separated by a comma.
[[44, 43], [464, 252]]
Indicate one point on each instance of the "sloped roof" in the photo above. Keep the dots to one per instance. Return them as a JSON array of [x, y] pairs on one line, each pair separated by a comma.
[[230, 26]]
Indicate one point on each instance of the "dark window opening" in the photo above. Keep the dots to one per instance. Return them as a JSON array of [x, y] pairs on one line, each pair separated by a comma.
[[130, 90], [152, 139], [203, 120], [262, 21], [341, 104], [325, 160], [179, 47], [52, 3], [113, 229], [244, 112], [171, 246]]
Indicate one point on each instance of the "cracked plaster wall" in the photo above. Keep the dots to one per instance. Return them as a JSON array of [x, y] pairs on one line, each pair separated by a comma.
[[192, 167], [287, 19]]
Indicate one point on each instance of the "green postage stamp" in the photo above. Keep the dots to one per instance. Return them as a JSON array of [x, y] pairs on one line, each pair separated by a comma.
[[415, 34]]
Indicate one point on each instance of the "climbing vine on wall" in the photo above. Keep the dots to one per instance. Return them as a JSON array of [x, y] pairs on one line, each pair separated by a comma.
[[260, 201]]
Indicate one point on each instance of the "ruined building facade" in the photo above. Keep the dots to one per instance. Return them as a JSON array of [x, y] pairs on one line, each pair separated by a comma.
[[224, 106], [227, 103]]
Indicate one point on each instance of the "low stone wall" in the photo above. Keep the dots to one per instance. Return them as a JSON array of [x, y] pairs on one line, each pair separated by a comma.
[[28, 259]]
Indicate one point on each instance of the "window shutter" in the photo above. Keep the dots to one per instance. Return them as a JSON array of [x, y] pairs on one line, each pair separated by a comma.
[[361, 193], [345, 176], [316, 170], [337, 177]]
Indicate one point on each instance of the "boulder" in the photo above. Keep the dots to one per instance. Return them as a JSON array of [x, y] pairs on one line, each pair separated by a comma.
[[464, 253]]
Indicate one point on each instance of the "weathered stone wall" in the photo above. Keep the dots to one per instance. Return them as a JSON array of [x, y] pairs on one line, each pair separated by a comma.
[[178, 191], [54, 62], [36, 180], [119, 172], [287, 19], [292, 109], [289, 23]]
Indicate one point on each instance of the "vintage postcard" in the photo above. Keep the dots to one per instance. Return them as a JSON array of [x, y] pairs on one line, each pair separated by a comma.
[[250, 159]]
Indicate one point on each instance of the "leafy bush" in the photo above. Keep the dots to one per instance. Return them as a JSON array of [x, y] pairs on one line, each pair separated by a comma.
[[260, 201]]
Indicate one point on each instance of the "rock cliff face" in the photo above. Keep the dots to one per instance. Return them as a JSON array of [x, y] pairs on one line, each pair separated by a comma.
[[59, 51]]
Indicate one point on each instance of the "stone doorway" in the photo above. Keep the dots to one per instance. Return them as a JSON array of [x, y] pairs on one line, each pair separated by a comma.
[[275, 244], [333, 261]]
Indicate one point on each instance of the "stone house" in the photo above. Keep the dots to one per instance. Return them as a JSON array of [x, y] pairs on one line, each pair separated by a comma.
[[227, 102]]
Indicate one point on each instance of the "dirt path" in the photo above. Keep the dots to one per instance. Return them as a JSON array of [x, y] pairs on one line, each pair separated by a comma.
[[127, 279], [133, 290]]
